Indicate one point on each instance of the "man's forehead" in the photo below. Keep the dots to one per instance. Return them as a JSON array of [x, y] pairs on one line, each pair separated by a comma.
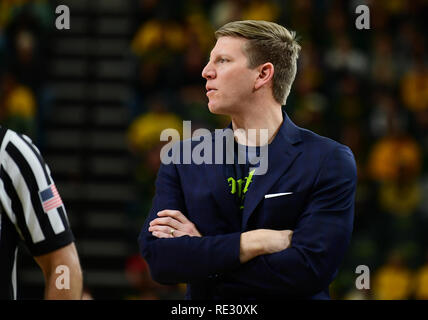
[[228, 46]]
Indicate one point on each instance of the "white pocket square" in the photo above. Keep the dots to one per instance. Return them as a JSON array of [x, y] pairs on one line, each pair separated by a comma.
[[273, 195]]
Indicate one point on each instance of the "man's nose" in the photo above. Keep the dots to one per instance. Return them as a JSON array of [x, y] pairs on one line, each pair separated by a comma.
[[208, 72]]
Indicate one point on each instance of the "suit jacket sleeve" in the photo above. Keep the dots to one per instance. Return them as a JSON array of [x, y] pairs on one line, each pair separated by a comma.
[[319, 241], [184, 259]]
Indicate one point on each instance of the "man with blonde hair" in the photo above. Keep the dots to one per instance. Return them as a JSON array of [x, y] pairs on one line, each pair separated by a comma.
[[232, 233]]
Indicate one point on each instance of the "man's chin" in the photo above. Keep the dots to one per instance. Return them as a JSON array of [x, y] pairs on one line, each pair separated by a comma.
[[216, 109]]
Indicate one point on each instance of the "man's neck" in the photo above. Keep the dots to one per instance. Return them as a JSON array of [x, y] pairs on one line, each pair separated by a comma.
[[265, 121]]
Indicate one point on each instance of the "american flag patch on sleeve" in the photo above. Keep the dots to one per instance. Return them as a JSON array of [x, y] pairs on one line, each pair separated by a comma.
[[50, 198]]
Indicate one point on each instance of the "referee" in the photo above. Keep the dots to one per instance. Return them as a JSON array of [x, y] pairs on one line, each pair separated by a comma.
[[32, 211]]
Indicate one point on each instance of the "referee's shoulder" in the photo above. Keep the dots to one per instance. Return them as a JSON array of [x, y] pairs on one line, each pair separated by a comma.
[[3, 132], [20, 141], [7, 135]]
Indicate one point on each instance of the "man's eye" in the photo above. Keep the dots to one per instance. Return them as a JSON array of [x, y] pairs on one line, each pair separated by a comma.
[[222, 60]]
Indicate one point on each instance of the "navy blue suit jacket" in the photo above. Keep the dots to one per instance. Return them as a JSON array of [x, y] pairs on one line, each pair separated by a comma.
[[320, 173]]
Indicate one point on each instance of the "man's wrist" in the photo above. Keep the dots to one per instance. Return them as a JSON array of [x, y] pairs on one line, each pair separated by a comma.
[[251, 246]]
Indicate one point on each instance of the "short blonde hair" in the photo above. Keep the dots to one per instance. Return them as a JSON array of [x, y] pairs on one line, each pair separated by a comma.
[[268, 42]]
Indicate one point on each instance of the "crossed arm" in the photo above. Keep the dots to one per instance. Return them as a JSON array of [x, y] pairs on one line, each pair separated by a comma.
[[173, 223]]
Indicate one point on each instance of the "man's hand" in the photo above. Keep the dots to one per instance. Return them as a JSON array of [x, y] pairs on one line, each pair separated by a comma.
[[263, 241], [172, 224]]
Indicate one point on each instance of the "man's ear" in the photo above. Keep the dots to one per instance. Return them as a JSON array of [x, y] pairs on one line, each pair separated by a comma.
[[266, 71]]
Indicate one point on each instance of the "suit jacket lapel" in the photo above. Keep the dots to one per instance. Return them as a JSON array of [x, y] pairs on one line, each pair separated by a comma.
[[281, 154], [216, 180]]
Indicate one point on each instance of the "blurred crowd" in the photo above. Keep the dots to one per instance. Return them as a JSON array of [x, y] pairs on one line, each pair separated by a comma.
[[367, 89], [24, 43]]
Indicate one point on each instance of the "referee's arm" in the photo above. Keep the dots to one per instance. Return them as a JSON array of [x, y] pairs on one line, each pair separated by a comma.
[[61, 283], [35, 207]]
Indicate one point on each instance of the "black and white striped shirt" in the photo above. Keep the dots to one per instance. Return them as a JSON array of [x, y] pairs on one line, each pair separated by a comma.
[[23, 178]]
